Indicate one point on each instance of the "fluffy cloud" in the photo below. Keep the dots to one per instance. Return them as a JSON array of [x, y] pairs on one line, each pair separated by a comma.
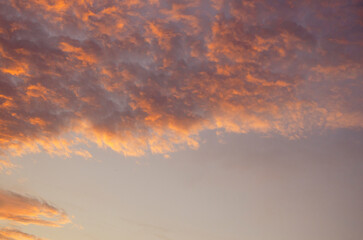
[[26, 210], [149, 76]]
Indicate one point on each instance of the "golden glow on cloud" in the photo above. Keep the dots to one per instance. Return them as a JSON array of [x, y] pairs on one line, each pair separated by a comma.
[[14, 234], [6, 165], [25, 210], [149, 76]]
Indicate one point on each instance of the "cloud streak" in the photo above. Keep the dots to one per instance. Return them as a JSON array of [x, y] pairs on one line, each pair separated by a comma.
[[26, 210], [149, 76], [14, 234]]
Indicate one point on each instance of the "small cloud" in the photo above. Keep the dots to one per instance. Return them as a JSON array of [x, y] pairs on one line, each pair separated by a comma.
[[26, 210], [83, 153], [6, 166], [15, 234]]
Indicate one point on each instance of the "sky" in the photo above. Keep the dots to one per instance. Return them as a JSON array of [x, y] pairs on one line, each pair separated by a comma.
[[181, 119]]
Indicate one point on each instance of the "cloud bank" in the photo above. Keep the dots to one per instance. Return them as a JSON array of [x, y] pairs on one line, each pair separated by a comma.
[[149, 76]]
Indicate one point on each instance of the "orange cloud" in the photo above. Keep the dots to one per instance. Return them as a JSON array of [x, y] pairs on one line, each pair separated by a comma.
[[6, 166], [26, 210], [149, 76], [14, 234]]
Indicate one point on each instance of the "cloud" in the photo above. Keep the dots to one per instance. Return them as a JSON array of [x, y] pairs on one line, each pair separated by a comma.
[[149, 76], [6, 165], [26, 210], [14, 234]]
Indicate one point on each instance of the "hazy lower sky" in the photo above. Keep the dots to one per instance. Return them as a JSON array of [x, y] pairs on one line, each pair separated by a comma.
[[181, 120]]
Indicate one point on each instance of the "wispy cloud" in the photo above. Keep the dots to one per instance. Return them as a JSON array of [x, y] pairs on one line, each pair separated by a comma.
[[15, 234], [6, 165], [27, 210], [149, 76]]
